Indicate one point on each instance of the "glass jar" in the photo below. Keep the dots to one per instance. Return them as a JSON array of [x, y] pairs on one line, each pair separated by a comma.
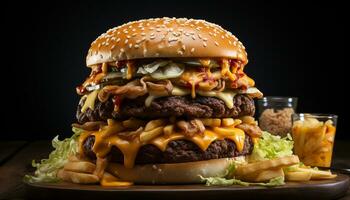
[[274, 114], [313, 136]]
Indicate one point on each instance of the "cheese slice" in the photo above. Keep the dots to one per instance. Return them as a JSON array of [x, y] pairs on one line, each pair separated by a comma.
[[107, 137], [90, 101]]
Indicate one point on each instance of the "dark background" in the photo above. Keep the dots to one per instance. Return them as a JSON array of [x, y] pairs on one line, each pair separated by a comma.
[[294, 49]]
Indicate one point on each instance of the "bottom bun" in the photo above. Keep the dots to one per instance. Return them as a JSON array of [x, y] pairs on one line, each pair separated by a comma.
[[188, 172]]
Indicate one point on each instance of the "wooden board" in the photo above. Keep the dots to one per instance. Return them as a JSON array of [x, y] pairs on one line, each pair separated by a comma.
[[326, 189]]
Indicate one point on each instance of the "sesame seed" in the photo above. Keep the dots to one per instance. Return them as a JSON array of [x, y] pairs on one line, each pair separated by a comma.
[[118, 39], [122, 50], [130, 27], [128, 36], [193, 37], [187, 34], [192, 50], [158, 30], [118, 32], [183, 47], [199, 36], [216, 43], [138, 41], [214, 34], [152, 34], [113, 46], [125, 31], [235, 43], [136, 46], [134, 34], [204, 44], [142, 29], [230, 42], [157, 54], [222, 37], [143, 34], [126, 41], [205, 39], [151, 28], [210, 33], [152, 37], [172, 39], [130, 45], [99, 45], [180, 52]]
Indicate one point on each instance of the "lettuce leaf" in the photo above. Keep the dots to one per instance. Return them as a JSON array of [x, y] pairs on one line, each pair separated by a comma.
[[219, 181], [270, 146], [46, 169]]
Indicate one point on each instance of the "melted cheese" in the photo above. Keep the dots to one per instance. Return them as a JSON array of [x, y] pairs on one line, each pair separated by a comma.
[[90, 101], [107, 138], [192, 77]]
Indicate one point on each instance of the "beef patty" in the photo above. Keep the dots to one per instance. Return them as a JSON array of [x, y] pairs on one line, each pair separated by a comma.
[[177, 151], [164, 107]]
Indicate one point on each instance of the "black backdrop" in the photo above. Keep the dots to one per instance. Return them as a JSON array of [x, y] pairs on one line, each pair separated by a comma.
[[294, 49]]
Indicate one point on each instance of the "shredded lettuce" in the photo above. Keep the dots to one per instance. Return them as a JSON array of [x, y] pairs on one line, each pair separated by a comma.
[[46, 169], [219, 181], [270, 146]]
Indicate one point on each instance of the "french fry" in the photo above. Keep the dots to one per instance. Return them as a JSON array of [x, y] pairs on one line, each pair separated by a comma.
[[213, 122], [227, 121], [226, 131], [154, 124], [318, 174], [133, 123], [76, 177], [108, 180], [168, 129], [297, 176], [149, 135], [251, 168], [80, 166], [248, 120]]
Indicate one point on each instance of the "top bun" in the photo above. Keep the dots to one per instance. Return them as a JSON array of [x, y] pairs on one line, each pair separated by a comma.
[[165, 38]]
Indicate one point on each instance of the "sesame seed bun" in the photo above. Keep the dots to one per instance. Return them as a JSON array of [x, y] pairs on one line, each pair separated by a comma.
[[167, 38]]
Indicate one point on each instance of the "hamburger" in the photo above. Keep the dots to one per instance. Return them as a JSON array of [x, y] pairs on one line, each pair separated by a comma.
[[167, 101]]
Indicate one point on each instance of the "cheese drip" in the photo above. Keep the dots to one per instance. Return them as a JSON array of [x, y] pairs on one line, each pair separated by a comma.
[[107, 137]]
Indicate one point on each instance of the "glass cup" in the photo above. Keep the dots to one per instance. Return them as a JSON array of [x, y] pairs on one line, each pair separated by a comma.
[[274, 114], [313, 136]]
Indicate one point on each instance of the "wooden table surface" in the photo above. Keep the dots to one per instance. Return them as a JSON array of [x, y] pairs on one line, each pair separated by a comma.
[[16, 157]]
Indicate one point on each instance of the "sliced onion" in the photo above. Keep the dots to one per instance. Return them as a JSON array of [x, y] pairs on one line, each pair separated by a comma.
[[172, 70], [152, 67]]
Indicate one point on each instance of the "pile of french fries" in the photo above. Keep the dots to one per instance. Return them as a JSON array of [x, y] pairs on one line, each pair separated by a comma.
[[304, 173], [264, 170], [81, 171], [313, 141], [155, 128]]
